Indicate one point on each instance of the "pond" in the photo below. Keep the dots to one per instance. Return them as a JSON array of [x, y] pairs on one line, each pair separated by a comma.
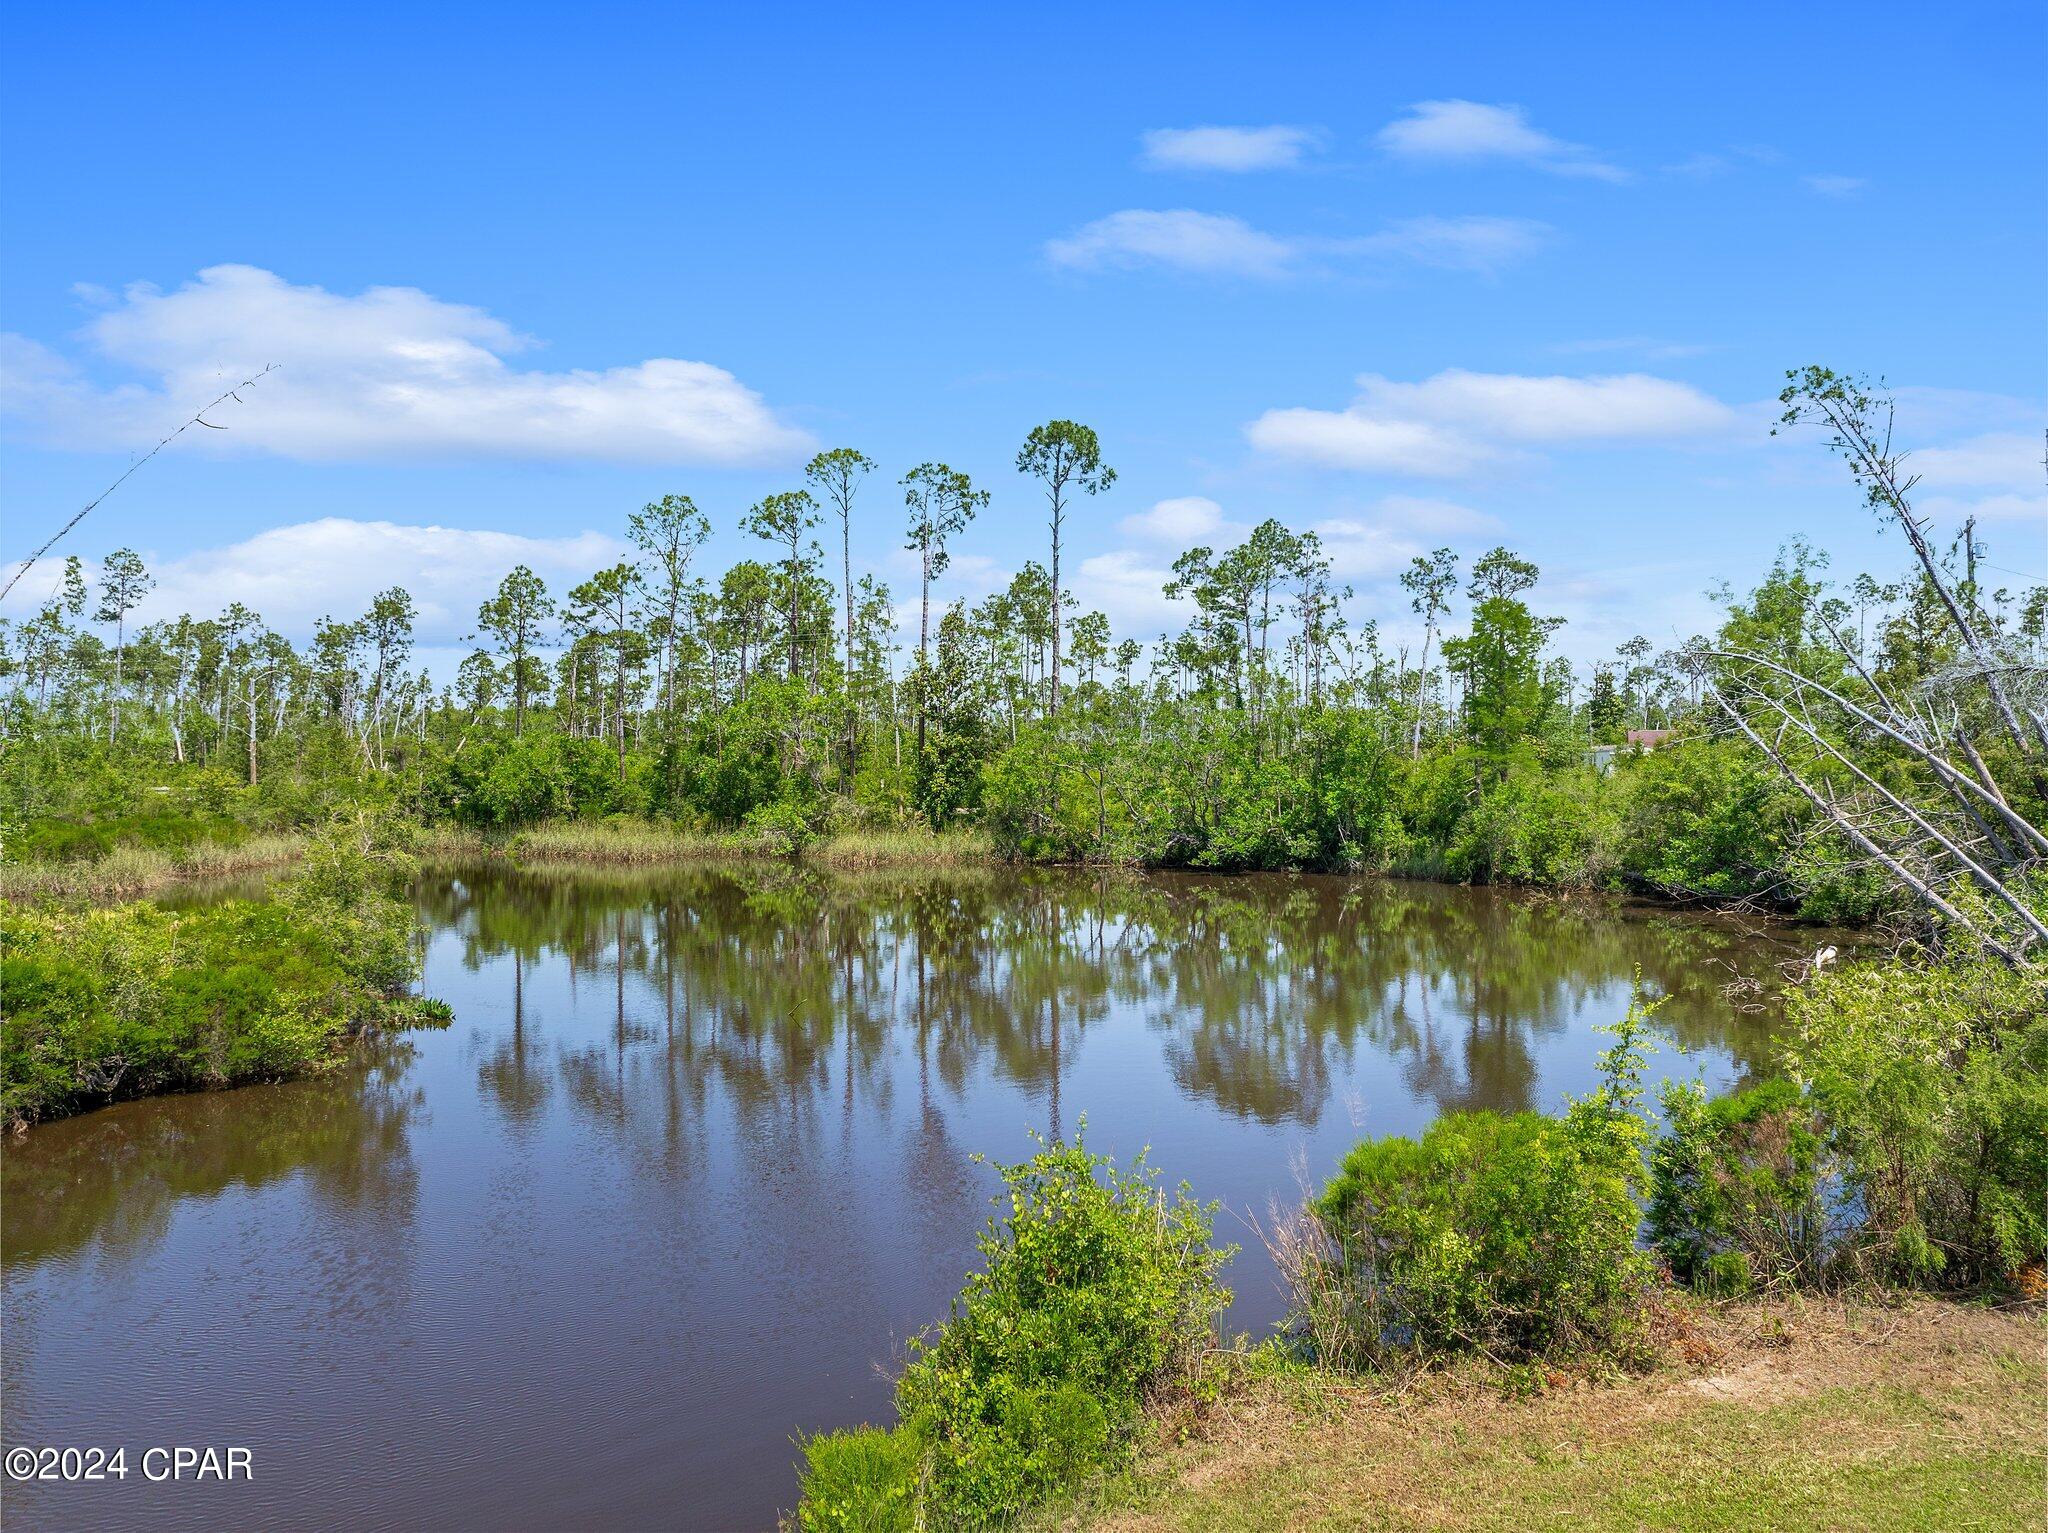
[[695, 1157]]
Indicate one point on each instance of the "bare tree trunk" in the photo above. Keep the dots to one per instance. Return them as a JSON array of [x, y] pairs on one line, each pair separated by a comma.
[[1921, 890]]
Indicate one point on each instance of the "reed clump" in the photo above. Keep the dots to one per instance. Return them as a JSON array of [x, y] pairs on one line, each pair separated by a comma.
[[127, 871]]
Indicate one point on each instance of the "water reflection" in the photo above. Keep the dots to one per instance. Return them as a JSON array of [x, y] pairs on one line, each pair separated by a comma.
[[694, 1158], [1263, 991], [114, 1179]]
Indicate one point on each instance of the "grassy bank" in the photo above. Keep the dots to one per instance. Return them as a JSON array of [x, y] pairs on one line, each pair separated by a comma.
[[127, 871], [645, 844], [1821, 1414]]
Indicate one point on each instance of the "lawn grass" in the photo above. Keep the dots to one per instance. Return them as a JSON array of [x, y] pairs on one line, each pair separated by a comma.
[[1827, 1416]]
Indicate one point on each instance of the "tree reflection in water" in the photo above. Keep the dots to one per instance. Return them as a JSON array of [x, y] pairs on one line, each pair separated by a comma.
[[1264, 991]]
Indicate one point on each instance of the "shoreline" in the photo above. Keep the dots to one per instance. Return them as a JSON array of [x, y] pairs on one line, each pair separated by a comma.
[[130, 873]]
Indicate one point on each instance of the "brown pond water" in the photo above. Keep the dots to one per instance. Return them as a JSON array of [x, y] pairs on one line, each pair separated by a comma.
[[694, 1158]]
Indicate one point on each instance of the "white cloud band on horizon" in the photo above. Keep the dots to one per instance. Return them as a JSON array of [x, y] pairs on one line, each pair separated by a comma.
[[389, 373], [292, 575], [1457, 422]]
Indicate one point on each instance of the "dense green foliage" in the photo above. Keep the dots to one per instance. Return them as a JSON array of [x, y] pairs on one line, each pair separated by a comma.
[[1740, 1191], [1097, 1290], [1279, 727], [1933, 1082], [1513, 1235], [1908, 1141], [126, 1000]]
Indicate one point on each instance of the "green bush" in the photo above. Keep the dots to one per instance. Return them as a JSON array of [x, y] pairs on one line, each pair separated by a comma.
[[1740, 1189], [859, 1481], [129, 1000], [1508, 1235], [1536, 827], [1933, 1079], [1097, 1291], [786, 826]]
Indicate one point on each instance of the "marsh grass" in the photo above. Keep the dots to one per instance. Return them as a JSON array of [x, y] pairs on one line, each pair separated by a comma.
[[636, 843], [127, 871], [909, 847]]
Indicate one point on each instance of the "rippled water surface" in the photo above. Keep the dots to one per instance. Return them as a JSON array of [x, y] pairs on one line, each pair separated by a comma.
[[694, 1158]]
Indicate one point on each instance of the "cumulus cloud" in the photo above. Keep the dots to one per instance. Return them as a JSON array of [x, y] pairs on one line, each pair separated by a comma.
[[1457, 421], [1183, 521], [331, 567], [1445, 132], [1226, 149], [388, 373], [1217, 244]]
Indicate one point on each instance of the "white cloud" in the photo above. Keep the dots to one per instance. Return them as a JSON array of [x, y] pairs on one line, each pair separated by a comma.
[[1458, 421], [1360, 550], [1453, 131], [1182, 521], [1227, 149], [1355, 439], [1210, 243], [1129, 588], [1835, 186], [388, 373], [2006, 460], [1216, 244], [332, 567], [2007, 464], [1552, 409]]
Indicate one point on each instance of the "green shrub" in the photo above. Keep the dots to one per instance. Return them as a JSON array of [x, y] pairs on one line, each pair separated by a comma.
[[1705, 818], [1509, 1235], [129, 1000], [1933, 1079], [1097, 1290], [859, 1481], [1741, 1190], [786, 826]]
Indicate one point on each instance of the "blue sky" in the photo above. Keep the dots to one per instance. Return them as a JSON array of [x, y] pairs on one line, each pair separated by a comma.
[[1457, 274]]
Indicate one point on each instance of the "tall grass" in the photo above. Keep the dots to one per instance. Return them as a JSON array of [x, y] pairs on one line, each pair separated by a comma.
[[642, 843], [907, 847], [132, 870]]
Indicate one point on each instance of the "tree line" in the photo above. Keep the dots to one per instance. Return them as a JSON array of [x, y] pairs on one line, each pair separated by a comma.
[[1276, 727]]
